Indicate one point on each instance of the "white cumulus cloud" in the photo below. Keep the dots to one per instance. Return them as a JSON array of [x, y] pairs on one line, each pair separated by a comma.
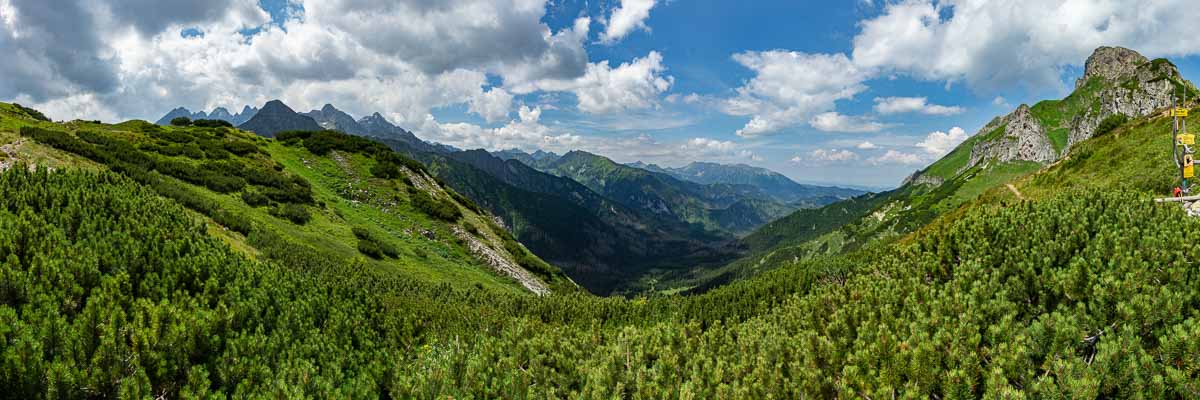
[[834, 122], [1000, 43], [939, 143], [823, 156], [791, 87], [629, 16], [897, 105], [898, 157], [605, 89]]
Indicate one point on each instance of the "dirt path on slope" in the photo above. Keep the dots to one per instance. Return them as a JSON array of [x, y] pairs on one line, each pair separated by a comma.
[[1015, 191]]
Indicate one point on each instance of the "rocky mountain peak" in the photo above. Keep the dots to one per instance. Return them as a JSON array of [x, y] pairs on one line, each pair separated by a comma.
[[329, 108], [277, 117], [275, 106], [220, 113], [1017, 136], [1111, 64]]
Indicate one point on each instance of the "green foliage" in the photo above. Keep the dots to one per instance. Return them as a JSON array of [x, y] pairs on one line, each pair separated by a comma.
[[369, 248], [181, 121], [296, 213], [254, 198], [240, 148], [437, 208], [373, 245], [32, 113], [211, 123], [107, 290], [1109, 123]]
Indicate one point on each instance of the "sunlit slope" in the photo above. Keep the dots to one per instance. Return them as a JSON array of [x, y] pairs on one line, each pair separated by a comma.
[[255, 190], [108, 289]]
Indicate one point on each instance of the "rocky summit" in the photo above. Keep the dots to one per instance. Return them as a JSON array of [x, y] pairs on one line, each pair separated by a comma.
[[277, 117], [1017, 136], [1116, 81]]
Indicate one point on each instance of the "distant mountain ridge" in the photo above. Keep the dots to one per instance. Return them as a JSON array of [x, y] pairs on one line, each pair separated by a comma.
[[374, 125], [1119, 88], [219, 113], [777, 185], [602, 244], [277, 117], [732, 209]]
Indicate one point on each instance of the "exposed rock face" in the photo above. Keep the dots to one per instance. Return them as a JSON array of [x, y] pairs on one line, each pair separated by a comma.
[[1023, 139], [218, 113], [277, 117], [1134, 86], [917, 178], [329, 117], [1111, 64]]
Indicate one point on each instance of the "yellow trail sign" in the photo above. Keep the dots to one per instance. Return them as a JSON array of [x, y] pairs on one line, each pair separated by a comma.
[[1179, 112]]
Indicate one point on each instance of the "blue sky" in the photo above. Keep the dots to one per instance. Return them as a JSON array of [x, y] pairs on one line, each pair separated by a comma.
[[854, 92]]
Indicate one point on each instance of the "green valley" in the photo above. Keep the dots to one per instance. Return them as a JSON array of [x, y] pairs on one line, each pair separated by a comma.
[[626, 199]]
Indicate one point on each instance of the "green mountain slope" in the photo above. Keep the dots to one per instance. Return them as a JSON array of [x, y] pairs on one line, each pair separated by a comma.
[[707, 206], [603, 245], [773, 184], [111, 290], [346, 197], [1117, 84]]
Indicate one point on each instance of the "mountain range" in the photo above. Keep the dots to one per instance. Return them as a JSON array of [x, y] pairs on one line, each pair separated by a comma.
[[1037, 259], [219, 113], [1117, 85], [773, 184], [605, 236]]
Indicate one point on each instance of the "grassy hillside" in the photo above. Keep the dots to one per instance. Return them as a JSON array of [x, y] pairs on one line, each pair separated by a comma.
[[335, 197], [602, 244], [706, 206], [953, 181], [111, 290]]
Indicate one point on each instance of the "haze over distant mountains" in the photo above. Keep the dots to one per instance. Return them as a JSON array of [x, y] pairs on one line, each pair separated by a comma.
[[275, 117], [219, 113], [773, 183]]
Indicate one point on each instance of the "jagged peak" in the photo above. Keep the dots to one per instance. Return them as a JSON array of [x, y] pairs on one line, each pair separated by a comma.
[[276, 105], [329, 108], [1112, 64]]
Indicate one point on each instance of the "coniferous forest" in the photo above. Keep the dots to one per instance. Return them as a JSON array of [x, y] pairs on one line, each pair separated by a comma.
[[111, 290], [617, 199]]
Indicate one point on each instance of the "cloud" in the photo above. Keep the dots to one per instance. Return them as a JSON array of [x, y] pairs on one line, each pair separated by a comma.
[[823, 156], [630, 16], [898, 157], [790, 87], [939, 143], [525, 132], [897, 105], [705, 144], [1001, 102], [999, 44], [866, 145], [605, 89], [717, 149], [113, 60], [439, 36], [834, 122]]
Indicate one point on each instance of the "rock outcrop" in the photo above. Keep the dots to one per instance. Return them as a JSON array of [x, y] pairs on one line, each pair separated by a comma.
[[277, 117], [1111, 64], [1017, 136], [1128, 83]]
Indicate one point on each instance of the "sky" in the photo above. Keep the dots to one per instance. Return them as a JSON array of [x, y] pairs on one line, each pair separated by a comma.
[[849, 92]]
